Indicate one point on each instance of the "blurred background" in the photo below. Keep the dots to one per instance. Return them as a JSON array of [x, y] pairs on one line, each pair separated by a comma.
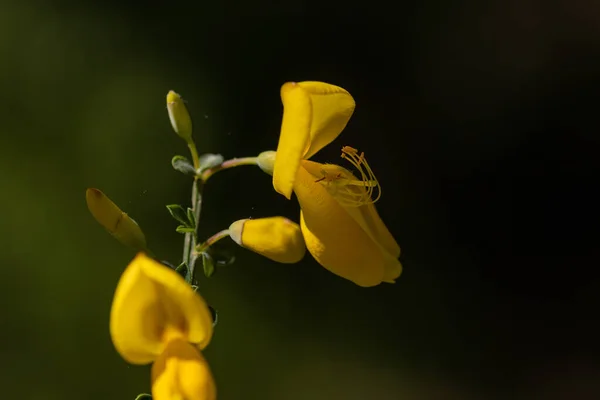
[[479, 119]]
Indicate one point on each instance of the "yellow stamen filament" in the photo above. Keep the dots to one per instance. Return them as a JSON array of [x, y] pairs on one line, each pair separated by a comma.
[[349, 190]]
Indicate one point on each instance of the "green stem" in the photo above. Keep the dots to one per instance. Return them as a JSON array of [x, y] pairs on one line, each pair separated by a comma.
[[194, 152], [189, 241], [234, 162], [190, 251]]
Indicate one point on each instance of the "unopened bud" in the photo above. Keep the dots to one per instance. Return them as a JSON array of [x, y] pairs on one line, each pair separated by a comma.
[[276, 238], [179, 116], [266, 161], [115, 221]]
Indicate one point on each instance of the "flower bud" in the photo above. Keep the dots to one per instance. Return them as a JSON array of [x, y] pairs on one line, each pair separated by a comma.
[[276, 238], [179, 116], [266, 161], [115, 221]]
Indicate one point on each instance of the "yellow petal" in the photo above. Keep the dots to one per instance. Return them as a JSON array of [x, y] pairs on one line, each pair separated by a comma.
[[371, 219], [152, 304], [116, 222], [332, 107], [334, 238], [294, 137], [276, 238], [182, 373], [314, 114], [365, 215]]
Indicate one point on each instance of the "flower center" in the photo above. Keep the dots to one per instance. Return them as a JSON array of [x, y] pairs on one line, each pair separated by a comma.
[[347, 188]]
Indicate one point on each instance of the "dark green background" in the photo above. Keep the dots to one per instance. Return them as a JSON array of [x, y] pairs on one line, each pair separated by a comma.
[[479, 119]]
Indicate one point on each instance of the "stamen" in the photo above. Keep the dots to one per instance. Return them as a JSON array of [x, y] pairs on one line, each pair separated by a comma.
[[346, 188]]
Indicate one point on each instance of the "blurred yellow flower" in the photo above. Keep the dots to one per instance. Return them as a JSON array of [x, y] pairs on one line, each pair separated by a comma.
[[157, 317], [116, 222], [340, 224], [180, 372], [276, 238]]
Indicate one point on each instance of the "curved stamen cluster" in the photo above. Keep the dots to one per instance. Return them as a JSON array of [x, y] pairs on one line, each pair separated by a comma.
[[346, 187]]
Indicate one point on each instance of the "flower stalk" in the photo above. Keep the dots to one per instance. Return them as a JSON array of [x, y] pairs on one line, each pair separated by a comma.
[[234, 162], [211, 240]]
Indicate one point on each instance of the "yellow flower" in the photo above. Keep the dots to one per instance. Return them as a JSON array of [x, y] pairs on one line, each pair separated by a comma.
[[276, 238], [340, 224], [157, 317]]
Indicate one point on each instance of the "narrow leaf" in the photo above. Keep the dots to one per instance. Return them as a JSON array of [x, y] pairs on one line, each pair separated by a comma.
[[209, 160], [178, 213], [168, 264], [191, 218], [183, 165], [184, 229], [214, 314], [208, 265], [184, 271], [222, 258]]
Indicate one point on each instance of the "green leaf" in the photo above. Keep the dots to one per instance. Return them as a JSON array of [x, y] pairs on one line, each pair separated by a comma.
[[178, 213], [184, 271], [215, 316], [183, 165], [143, 396], [209, 160], [168, 264], [222, 258], [208, 265], [184, 229], [191, 218]]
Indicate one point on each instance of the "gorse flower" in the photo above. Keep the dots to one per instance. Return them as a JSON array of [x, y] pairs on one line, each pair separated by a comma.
[[157, 317], [339, 222]]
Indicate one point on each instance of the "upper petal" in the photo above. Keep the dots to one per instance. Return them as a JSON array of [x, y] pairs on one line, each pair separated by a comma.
[[152, 304], [334, 238], [181, 372], [294, 137], [314, 114], [332, 107]]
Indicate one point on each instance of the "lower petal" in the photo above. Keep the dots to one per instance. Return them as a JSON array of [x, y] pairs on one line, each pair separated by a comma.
[[365, 215], [181, 372], [334, 238], [392, 268]]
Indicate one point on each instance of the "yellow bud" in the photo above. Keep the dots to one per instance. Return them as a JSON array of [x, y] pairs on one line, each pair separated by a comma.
[[115, 221], [266, 161], [179, 116], [276, 238]]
